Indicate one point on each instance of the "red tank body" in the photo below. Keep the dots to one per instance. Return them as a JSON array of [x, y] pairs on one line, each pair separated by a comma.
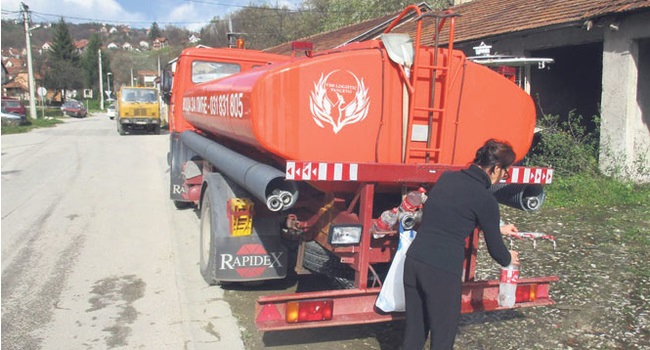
[[346, 105]]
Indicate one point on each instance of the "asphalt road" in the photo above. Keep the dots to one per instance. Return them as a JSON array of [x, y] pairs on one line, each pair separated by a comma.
[[94, 254]]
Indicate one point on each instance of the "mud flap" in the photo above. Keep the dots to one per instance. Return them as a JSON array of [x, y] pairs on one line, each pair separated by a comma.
[[178, 155], [255, 257]]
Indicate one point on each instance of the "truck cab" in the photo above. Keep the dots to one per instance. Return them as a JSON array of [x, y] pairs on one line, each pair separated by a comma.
[[138, 110]]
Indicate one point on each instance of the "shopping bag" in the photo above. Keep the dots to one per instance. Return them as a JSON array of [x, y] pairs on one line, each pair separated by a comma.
[[391, 296]]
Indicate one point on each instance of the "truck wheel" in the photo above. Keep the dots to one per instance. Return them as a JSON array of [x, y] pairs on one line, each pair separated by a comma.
[[156, 129], [120, 130], [208, 262], [320, 260]]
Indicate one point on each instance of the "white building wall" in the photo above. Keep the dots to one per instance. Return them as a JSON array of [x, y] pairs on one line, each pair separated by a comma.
[[624, 132]]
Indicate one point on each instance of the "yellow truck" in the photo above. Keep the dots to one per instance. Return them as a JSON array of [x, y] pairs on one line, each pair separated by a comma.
[[138, 110]]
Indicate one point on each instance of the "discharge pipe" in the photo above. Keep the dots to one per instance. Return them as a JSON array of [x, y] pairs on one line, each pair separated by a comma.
[[527, 197], [264, 182]]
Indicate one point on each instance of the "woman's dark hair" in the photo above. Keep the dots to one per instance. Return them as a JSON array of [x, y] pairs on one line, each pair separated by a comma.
[[494, 153]]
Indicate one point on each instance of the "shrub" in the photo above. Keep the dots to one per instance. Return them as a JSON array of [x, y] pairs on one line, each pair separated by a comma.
[[567, 146]]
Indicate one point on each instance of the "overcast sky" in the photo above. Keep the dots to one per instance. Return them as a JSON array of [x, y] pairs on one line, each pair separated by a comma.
[[191, 14]]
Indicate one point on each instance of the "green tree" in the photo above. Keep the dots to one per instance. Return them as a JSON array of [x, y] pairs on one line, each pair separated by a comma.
[[334, 14], [62, 44], [90, 62], [63, 71], [265, 26], [13, 34], [176, 35], [214, 34], [154, 31]]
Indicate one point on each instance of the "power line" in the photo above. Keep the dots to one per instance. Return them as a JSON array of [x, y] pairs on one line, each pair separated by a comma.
[[285, 10], [100, 20], [45, 16], [246, 7]]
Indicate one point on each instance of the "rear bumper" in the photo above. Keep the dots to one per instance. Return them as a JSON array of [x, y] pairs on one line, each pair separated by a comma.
[[357, 306], [140, 121]]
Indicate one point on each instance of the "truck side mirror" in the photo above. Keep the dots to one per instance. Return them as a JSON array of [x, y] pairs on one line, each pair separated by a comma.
[[166, 85]]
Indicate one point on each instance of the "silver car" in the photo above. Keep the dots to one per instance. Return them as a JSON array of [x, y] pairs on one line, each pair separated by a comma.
[[110, 111]]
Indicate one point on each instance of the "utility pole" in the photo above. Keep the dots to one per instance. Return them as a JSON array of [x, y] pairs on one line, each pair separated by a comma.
[[101, 81], [30, 70]]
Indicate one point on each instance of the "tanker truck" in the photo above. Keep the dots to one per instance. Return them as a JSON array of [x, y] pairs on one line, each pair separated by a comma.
[[290, 159]]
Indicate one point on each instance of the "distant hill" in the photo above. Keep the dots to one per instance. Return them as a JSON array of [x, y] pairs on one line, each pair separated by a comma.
[[13, 34], [124, 64]]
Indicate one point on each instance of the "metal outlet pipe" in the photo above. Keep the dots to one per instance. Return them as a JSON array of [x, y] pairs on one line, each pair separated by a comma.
[[527, 197], [264, 182]]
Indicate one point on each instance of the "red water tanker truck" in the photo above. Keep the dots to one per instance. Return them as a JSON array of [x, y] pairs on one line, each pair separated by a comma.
[[290, 160]]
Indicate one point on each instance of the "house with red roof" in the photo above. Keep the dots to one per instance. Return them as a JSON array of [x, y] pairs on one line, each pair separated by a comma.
[[81, 45], [159, 43]]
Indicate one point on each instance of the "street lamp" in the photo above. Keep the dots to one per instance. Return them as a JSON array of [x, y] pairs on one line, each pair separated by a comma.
[[108, 82], [101, 76]]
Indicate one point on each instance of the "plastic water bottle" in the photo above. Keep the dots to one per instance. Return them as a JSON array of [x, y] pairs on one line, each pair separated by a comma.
[[413, 200], [384, 223], [508, 285]]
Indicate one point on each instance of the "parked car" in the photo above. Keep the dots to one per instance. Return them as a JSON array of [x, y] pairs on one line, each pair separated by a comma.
[[10, 119], [13, 112], [110, 111], [74, 108]]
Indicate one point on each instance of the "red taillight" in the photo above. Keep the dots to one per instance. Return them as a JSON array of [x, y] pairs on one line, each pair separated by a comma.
[[311, 310], [526, 293]]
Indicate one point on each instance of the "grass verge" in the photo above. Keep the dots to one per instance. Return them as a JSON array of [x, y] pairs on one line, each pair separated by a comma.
[[586, 191], [34, 123]]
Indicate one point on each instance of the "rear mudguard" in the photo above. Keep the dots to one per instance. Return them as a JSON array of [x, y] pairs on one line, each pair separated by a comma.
[[258, 256]]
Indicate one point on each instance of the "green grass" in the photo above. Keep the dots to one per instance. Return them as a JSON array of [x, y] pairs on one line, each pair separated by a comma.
[[595, 190], [38, 123]]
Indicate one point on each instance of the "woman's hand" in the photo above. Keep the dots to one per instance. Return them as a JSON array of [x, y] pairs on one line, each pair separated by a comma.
[[508, 229], [514, 257]]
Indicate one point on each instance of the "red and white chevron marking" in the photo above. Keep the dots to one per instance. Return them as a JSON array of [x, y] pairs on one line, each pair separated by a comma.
[[323, 171], [526, 175]]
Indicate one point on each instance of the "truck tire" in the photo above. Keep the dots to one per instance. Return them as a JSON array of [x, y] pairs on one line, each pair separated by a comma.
[[156, 129], [320, 260], [208, 264], [120, 129]]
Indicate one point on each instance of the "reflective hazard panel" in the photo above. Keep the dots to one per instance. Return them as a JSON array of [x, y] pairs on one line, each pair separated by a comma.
[[240, 215]]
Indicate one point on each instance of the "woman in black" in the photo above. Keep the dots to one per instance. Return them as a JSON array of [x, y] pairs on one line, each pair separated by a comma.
[[457, 204]]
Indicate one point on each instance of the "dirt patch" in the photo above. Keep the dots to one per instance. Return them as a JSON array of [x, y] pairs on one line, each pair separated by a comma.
[[602, 297], [118, 295]]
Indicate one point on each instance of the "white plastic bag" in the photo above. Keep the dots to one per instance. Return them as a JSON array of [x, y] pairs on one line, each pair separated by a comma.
[[391, 296]]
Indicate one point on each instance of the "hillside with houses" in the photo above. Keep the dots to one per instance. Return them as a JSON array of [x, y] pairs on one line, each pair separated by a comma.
[[136, 53]]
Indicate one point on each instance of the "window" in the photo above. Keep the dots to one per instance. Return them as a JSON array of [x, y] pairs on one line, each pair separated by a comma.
[[139, 95], [205, 71]]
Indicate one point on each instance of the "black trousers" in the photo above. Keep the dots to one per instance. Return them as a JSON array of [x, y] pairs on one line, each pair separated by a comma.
[[433, 300]]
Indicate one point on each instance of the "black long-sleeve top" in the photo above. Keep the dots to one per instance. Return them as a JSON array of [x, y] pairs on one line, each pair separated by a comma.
[[457, 204]]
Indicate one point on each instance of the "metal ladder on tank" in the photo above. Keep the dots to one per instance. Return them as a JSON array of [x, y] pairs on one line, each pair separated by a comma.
[[422, 116]]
